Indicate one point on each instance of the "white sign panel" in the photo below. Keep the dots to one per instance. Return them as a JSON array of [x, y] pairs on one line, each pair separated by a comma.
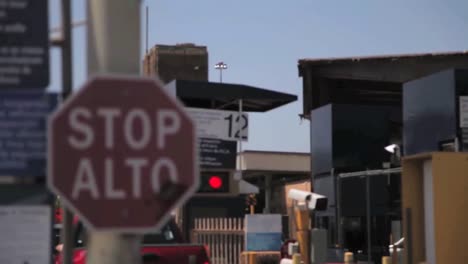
[[220, 124], [26, 234], [464, 111]]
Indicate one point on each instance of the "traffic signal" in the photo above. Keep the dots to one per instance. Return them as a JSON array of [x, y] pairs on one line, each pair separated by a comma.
[[214, 182]]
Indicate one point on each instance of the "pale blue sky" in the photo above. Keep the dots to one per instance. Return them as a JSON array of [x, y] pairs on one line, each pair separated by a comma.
[[262, 40]]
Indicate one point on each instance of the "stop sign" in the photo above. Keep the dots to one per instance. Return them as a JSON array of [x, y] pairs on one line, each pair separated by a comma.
[[122, 154]]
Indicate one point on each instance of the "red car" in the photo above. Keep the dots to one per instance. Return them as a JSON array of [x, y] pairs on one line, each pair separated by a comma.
[[164, 247]]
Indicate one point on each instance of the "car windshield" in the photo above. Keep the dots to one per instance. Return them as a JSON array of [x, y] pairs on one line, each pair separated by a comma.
[[166, 236]]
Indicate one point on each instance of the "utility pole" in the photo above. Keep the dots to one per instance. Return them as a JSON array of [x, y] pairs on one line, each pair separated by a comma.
[[113, 48], [67, 82], [64, 42]]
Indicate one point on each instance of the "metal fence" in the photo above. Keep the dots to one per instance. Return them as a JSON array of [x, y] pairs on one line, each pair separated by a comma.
[[223, 236]]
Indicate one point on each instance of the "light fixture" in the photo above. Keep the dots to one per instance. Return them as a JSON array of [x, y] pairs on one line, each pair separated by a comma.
[[391, 148], [220, 66]]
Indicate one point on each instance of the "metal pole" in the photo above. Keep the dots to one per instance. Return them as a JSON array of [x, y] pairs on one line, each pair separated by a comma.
[[67, 86], [267, 208], [113, 47], [240, 139], [114, 37], [368, 216], [221, 75], [67, 66], [67, 236], [147, 28], [339, 221]]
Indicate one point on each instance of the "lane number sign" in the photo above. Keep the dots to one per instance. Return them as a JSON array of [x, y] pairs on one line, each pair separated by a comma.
[[220, 124], [237, 126]]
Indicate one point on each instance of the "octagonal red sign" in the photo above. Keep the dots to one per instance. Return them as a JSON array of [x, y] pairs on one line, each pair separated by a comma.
[[122, 154]]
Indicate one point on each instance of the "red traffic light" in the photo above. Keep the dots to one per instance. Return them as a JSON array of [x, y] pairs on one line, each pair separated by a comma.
[[215, 182]]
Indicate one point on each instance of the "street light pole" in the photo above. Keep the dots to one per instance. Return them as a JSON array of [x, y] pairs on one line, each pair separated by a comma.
[[221, 66]]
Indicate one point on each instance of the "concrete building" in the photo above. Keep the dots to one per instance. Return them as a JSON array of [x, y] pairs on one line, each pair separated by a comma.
[[181, 61]]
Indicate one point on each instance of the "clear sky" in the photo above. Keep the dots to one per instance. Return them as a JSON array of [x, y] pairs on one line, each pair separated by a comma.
[[262, 40]]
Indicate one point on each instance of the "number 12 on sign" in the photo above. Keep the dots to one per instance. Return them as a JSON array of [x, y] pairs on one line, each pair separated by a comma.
[[237, 126]]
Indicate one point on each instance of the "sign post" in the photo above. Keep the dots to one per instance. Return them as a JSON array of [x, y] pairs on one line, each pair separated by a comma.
[[106, 44]]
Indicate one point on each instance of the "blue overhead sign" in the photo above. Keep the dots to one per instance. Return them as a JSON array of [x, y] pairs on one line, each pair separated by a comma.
[[23, 116], [24, 44]]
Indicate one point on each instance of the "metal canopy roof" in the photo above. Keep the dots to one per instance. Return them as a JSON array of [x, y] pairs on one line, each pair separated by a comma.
[[398, 68], [375, 80], [226, 96]]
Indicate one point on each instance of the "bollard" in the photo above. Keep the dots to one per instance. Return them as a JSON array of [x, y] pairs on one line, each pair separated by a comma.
[[348, 257], [302, 217], [296, 258], [252, 258], [303, 237], [386, 260]]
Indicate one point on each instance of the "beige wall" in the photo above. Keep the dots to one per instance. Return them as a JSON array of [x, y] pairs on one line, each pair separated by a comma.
[[274, 161], [450, 201]]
